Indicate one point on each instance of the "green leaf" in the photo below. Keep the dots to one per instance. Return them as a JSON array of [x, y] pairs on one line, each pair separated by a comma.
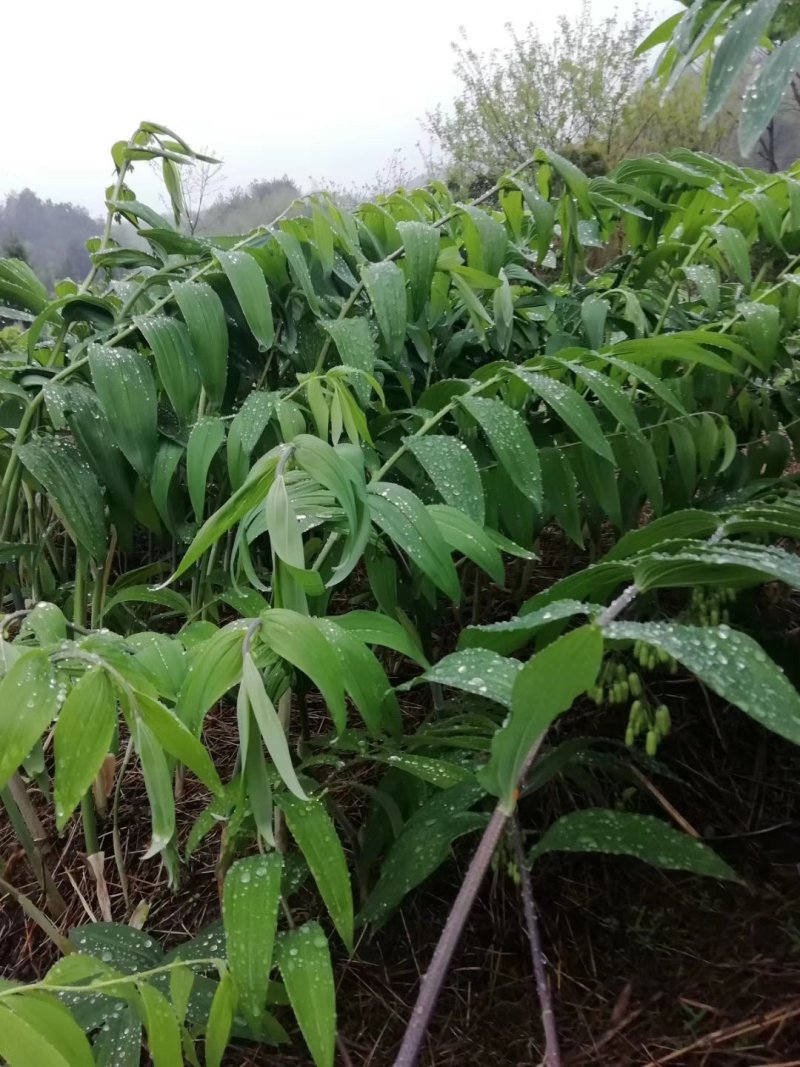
[[571, 408], [269, 725], [439, 772], [29, 700], [305, 963], [124, 383], [163, 1031], [316, 836], [373, 628], [204, 442], [543, 214], [452, 468], [734, 51], [594, 313], [478, 671], [121, 1044], [245, 432], [176, 739], [250, 288], [163, 659], [485, 240], [298, 267], [298, 640], [503, 310], [622, 833], [609, 393], [176, 364], [33, 1031], [158, 784], [220, 1021], [507, 637], [252, 492], [510, 441], [462, 534], [74, 491], [560, 492], [574, 178], [168, 456], [83, 412], [386, 288], [82, 739], [142, 594], [423, 845], [735, 249], [421, 244], [356, 347], [364, 679], [731, 663], [547, 686], [402, 516], [250, 901], [216, 666], [735, 564], [764, 96], [205, 318]]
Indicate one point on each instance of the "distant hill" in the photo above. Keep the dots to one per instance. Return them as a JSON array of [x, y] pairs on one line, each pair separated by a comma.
[[49, 235]]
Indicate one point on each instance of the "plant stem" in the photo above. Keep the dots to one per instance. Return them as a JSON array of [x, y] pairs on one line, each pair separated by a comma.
[[433, 979], [552, 1054], [31, 835]]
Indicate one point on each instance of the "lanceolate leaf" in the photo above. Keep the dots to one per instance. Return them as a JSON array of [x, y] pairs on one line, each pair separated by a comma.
[[158, 783], [298, 640], [452, 468], [571, 408], [82, 739], [462, 534], [510, 442], [176, 739], [163, 1031], [250, 901], [764, 96], [305, 963], [478, 671], [402, 516], [421, 242], [269, 725], [205, 318], [73, 489], [250, 288], [508, 637], [29, 1036], [626, 834], [204, 442], [220, 1021], [423, 846], [364, 679], [316, 836], [177, 367], [124, 382], [547, 686], [729, 662], [29, 699], [253, 492], [386, 288], [734, 51]]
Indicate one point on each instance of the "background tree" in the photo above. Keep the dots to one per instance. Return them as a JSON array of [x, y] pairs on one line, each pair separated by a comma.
[[568, 91], [653, 123], [200, 185]]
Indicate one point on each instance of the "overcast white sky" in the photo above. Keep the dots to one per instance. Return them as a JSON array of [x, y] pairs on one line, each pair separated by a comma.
[[311, 88]]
